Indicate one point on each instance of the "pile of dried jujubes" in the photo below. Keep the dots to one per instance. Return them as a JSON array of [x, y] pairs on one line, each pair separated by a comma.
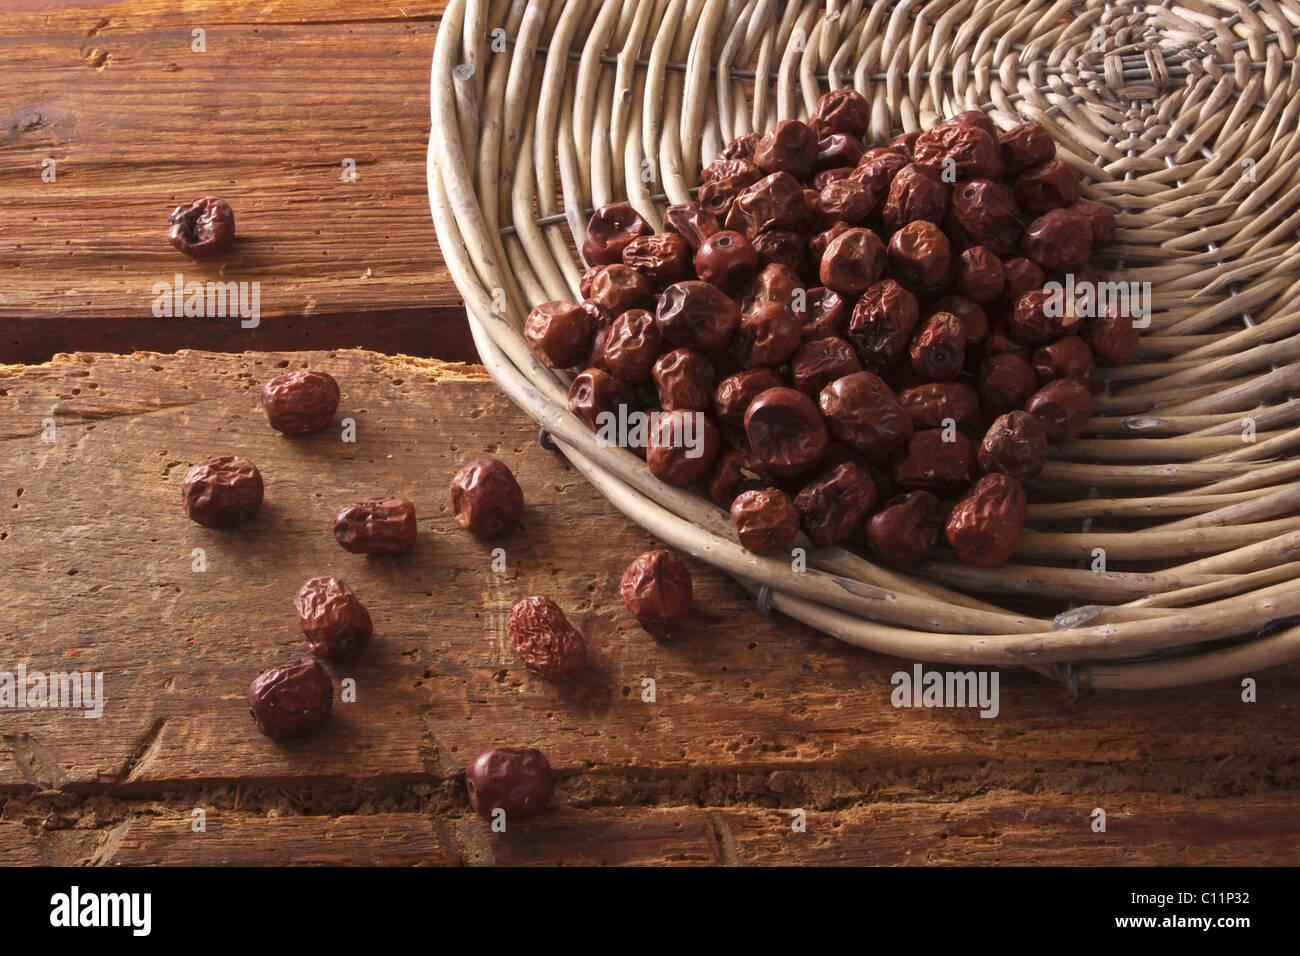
[[865, 332]]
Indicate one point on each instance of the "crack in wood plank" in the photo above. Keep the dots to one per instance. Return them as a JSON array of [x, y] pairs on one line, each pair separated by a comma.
[[725, 841], [144, 752], [37, 763]]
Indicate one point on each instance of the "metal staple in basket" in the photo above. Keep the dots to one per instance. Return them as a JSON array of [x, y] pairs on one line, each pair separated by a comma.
[[1186, 125]]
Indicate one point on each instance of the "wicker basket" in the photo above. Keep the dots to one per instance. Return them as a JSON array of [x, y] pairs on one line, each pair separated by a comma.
[[1184, 120]]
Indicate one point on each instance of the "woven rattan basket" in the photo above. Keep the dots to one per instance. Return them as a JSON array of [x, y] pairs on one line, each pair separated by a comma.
[[1181, 117]]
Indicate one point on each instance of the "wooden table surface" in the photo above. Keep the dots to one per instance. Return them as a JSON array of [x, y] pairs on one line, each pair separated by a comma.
[[752, 719]]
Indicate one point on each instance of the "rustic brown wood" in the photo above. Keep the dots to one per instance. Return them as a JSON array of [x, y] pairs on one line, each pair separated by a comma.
[[381, 839], [95, 560], [137, 122], [1050, 829]]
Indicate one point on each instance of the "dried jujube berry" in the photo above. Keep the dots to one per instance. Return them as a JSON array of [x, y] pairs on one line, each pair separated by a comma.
[[845, 200], [663, 259], [1069, 357], [595, 393], [1100, 219], [202, 229], [1064, 407], [691, 222], [727, 260], [610, 230], [968, 150], [905, 143], [970, 315], [837, 151], [842, 111], [544, 639], [732, 397], [915, 193], [781, 247], [853, 260], [786, 433], [684, 379], [905, 528], [559, 333], [977, 118], [722, 181], [631, 345], [833, 507], [774, 202], [767, 336], [1014, 445], [732, 475], [384, 525], [983, 213], [291, 700], [1113, 338], [820, 362], [826, 314], [683, 447], [1052, 185], [937, 404], [863, 412], [980, 275], [486, 499], [697, 315], [222, 492], [790, 147], [301, 401], [935, 460], [986, 524], [742, 147], [882, 322], [517, 780], [765, 520], [938, 349], [920, 256], [1024, 146], [1039, 317], [656, 588], [618, 288], [877, 168], [334, 621], [1020, 276], [1005, 382], [1058, 241]]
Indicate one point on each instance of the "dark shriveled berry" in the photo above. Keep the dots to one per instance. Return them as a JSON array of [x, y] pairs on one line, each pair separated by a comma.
[[833, 507], [203, 229], [1015, 445], [545, 640], [517, 780], [906, 528], [222, 492], [383, 525], [765, 520], [336, 624], [486, 500], [300, 401], [291, 700], [986, 524], [656, 588]]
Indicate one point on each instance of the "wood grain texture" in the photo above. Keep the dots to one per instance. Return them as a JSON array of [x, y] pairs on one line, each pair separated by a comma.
[[750, 715], [137, 122], [383, 839]]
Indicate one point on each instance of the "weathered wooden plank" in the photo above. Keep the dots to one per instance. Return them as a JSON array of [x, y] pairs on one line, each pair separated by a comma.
[[96, 557], [382, 839], [608, 836], [136, 122], [1013, 828]]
